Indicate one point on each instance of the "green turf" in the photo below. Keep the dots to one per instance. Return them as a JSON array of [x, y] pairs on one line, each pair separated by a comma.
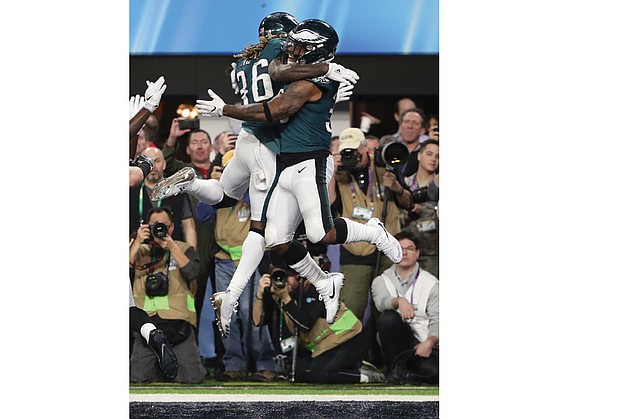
[[211, 386]]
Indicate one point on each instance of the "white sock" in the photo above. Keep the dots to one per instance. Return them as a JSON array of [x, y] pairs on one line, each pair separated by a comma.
[[357, 232], [364, 378], [252, 253], [145, 330], [209, 191], [310, 270]]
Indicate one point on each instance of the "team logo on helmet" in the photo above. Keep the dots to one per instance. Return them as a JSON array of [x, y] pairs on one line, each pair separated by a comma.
[[308, 36]]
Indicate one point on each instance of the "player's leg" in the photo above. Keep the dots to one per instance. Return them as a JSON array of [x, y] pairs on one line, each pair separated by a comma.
[[284, 216], [262, 175]]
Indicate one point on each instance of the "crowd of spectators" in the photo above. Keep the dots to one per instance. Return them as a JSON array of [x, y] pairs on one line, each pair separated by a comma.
[[380, 300]]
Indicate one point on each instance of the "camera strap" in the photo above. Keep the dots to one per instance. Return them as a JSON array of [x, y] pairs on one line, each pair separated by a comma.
[[151, 265]]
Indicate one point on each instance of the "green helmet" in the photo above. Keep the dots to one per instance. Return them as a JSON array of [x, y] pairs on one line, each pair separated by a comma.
[[317, 38], [277, 23]]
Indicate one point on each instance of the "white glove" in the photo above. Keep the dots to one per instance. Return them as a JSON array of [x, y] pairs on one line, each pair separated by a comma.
[[153, 93], [345, 91], [135, 104], [233, 78], [211, 108], [341, 74]]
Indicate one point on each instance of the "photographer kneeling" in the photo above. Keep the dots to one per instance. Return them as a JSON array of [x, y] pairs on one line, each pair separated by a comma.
[[164, 286], [325, 353]]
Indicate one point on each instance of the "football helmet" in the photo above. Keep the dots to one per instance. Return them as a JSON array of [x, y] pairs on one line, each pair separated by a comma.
[[312, 41], [277, 23]]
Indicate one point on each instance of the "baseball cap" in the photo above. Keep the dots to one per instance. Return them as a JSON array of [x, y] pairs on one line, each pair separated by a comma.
[[351, 138]]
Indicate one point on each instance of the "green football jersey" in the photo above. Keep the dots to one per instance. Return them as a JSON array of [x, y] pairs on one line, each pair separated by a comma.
[[255, 86], [310, 128]]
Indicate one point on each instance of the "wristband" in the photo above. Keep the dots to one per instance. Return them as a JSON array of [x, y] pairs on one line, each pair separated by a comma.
[[144, 163], [267, 112]]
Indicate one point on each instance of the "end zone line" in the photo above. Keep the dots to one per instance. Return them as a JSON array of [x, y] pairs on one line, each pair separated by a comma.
[[273, 398]]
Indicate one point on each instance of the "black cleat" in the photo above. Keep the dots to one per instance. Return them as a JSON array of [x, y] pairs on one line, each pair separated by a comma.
[[165, 355]]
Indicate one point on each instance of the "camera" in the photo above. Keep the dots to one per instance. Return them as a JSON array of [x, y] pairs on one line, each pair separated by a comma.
[[420, 195], [391, 155], [349, 158], [279, 279], [157, 284], [158, 230], [192, 124]]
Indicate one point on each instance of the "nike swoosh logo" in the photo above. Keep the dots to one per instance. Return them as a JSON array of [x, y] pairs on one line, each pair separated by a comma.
[[333, 290], [300, 170]]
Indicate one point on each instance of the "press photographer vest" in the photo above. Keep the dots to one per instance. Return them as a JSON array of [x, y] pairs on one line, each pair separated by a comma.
[[231, 228], [323, 336], [179, 303], [345, 182]]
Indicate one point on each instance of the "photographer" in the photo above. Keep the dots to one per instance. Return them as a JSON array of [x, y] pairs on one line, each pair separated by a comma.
[[330, 354], [164, 286], [423, 219], [358, 192]]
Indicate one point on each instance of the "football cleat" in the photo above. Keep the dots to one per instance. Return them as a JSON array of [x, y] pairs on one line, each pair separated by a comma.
[[385, 242], [164, 353], [173, 185], [223, 311], [332, 300]]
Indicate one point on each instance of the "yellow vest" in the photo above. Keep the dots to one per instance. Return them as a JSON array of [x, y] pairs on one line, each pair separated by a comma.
[[324, 336], [179, 303], [344, 181], [231, 228]]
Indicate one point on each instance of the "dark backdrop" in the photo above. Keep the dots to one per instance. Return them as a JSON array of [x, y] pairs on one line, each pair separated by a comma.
[[383, 80]]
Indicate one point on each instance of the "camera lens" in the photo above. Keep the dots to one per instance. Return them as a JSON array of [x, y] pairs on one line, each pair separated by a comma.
[[158, 230], [348, 158], [279, 279]]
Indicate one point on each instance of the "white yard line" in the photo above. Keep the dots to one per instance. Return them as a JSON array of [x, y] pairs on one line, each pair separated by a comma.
[[273, 398]]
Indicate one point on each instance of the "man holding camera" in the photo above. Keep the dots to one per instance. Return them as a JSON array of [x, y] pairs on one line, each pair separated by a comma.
[[164, 286], [140, 201], [326, 353], [411, 128], [358, 192]]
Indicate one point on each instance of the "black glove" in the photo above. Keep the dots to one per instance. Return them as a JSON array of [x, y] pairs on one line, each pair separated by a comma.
[[145, 164]]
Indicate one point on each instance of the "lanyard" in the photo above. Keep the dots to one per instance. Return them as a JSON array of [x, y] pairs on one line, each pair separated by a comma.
[[415, 279], [141, 203]]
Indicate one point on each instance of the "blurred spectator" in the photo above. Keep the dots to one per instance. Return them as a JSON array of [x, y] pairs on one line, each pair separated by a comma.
[[408, 328], [432, 127], [164, 287], [140, 202], [326, 353], [372, 125], [372, 142], [423, 219], [198, 149]]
